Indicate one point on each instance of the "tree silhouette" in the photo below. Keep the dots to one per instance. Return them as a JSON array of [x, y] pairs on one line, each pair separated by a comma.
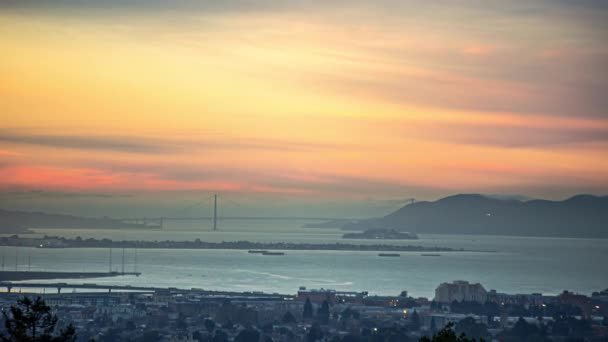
[[447, 334], [32, 321], [472, 329], [433, 326], [415, 321], [323, 312], [220, 336], [289, 318], [307, 309], [248, 335], [315, 333], [209, 325]]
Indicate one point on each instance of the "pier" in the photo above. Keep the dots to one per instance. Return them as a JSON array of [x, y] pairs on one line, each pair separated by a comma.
[[148, 289], [34, 275]]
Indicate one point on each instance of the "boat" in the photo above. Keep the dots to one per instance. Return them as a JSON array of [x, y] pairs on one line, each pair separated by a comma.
[[430, 254], [272, 253], [256, 251], [389, 254]]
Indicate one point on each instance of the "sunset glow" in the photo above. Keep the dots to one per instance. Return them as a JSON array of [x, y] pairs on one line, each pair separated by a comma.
[[304, 100]]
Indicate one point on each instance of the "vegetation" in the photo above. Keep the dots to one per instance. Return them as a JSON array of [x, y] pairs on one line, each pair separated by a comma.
[[447, 334], [323, 313], [472, 329], [289, 318], [307, 313], [415, 321], [32, 321]]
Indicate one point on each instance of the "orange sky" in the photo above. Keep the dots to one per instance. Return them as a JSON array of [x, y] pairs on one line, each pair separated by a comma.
[[384, 99]]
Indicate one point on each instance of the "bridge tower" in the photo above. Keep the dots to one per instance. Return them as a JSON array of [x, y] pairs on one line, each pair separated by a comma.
[[215, 212], [123, 261]]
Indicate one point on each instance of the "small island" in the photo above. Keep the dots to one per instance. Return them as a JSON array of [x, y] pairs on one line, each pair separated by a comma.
[[381, 233]]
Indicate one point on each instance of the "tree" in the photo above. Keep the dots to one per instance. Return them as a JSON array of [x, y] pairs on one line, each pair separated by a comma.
[[148, 336], [220, 336], [447, 334], [307, 314], [130, 325], [433, 326], [572, 327], [523, 329], [315, 333], [323, 312], [472, 329], [181, 323], [289, 318], [209, 325], [415, 321], [33, 321], [248, 335], [350, 338]]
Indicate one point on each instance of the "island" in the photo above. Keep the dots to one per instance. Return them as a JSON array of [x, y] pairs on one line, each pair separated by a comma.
[[381, 233]]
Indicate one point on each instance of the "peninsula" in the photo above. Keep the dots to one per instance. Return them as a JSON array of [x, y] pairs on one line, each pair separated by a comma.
[[61, 242]]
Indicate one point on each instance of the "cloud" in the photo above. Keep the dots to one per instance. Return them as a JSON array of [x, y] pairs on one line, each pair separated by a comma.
[[147, 145], [118, 144], [46, 195], [508, 136], [113, 178], [479, 50]]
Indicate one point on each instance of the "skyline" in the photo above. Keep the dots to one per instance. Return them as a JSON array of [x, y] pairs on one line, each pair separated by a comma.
[[304, 100]]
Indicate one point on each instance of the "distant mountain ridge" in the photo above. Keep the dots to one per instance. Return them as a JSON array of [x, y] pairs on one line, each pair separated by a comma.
[[578, 216]]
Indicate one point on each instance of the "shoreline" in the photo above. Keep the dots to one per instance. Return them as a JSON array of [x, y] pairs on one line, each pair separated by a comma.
[[51, 275], [60, 242]]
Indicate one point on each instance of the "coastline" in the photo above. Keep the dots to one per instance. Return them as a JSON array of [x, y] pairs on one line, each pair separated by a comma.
[[60, 242]]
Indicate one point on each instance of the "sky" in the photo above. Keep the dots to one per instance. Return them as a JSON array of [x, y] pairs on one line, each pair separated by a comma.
[[314, 107]]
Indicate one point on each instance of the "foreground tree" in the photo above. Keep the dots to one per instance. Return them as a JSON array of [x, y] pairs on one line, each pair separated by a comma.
[[32, 321], [447, 334], [472, 329]]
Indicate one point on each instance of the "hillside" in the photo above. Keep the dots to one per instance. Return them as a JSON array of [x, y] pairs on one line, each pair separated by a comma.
[[20, 221], [578, 216]]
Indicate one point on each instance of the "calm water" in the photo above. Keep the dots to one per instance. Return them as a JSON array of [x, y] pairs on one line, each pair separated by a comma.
[[519, 265]]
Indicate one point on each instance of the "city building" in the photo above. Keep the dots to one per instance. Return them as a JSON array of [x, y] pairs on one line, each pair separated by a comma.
[[459, 291]]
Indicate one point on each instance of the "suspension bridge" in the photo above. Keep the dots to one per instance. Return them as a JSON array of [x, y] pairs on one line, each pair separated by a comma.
[[159, 222]]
